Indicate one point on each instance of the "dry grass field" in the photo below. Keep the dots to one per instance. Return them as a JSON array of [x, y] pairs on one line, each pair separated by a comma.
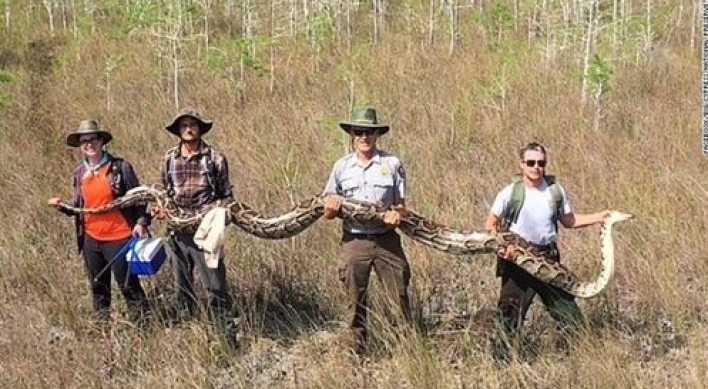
[[611, 87]]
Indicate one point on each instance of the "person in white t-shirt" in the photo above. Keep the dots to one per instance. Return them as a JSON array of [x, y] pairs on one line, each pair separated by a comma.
[[537, 223]]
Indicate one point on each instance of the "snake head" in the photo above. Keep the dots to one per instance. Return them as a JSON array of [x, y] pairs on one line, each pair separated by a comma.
[[617, 216]]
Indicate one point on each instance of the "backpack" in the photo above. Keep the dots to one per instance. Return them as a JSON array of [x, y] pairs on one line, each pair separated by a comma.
[[208, 169], [513, 208]]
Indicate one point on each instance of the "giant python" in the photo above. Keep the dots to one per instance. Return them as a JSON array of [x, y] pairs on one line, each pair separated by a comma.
[[414, 225]]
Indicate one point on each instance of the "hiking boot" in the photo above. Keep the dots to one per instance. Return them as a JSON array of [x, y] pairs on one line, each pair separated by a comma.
[[228, 330], [181, 313], [139, 314], [501, 352]]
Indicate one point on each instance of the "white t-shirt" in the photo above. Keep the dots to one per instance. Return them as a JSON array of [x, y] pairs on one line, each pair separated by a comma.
[[535, 222]]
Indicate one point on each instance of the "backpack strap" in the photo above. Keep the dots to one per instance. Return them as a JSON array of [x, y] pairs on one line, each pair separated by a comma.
[[169, 168], [209, 170], [556, 198], [513, 207], [116, 174], [78, 174], [117, 182]]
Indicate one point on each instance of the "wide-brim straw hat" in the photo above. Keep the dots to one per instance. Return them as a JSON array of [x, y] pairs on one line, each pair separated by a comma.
[[204, 124], [366, 118], [87, 127]]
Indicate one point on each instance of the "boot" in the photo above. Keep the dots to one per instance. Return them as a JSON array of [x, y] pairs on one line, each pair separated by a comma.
[[102, 321], [140, 314], [228, 330]]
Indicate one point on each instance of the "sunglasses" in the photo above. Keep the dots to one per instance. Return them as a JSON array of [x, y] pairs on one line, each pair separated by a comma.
[[189, 125], [532, 163], [365, 132], [88, 140]]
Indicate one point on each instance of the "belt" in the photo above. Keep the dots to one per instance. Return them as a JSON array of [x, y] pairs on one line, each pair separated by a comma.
[[545, 247], [186, 230], [550, 249], [347, 234]]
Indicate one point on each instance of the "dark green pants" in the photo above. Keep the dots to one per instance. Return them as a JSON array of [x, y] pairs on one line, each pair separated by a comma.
[[518, 289]]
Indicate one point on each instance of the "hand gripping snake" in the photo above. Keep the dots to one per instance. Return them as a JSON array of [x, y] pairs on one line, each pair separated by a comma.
[[414, 225]]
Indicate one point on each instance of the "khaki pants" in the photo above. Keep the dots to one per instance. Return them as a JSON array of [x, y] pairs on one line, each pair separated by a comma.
[[383, 253]]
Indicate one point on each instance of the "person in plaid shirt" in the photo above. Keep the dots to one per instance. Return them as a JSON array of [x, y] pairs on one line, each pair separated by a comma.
[[197, 175]]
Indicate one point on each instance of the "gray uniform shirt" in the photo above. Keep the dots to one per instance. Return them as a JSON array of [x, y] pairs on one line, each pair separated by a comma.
[[382, 181]]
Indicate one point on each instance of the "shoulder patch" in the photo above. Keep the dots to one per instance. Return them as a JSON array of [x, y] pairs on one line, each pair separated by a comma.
[[402, 171], [384, 170]]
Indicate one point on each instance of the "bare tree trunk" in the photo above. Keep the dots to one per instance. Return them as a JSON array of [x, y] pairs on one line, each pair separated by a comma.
[[62, 6], [694, 16], [207, 10], [599, 108], [49, 6], [110, 65], [566, 13], [431, 24], [306, 15], [648, 36], [679, 17], [597, 116], [7, 16], [89, 9], [229, 13], [627, 16], [549, 36], [28, 15], [75, 15], [352, 104], [452, 126], [241, 90], [271, 54], [380, 14], [348, 21], [175, 71], [565, 7], [589, 43], [246, 34], [293, 18], [452, 14], [375, 13], [172, 31]]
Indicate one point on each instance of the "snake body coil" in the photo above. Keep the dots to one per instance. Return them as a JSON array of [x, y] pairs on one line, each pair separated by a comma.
[[414, 225]]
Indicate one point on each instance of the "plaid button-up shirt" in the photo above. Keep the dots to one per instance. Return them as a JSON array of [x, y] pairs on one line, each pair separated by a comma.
[[190, 181]]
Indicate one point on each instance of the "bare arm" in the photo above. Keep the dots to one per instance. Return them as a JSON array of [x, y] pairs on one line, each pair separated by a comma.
[[580, 220], [492, 223], [75, 199]]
